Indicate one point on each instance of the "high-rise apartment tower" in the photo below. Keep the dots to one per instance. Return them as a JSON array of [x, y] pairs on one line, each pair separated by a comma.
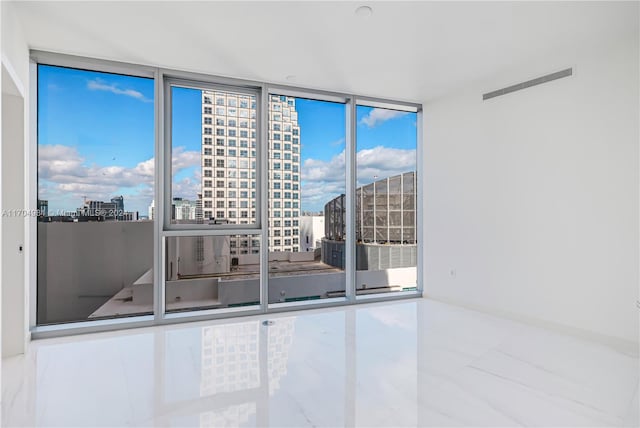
[[229, 173]]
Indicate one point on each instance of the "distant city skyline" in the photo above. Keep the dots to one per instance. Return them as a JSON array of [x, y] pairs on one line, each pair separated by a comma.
[[96, 139]]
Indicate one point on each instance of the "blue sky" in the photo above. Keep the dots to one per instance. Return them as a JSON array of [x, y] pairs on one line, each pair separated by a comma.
[[398, 132], [186, 126], [96, 139], [94, 131]]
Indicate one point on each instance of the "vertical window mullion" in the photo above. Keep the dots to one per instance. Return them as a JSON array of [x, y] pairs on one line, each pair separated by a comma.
[[32, 192], [419, 204], [160, 178], [262, 150], [350, 191]]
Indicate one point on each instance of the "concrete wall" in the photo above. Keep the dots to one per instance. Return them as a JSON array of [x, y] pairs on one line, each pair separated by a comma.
[[82, 265], [290, 256], [308, 256], [192, 290], [183, 253], [531, 199], [404, 277], [248, 259], [238, 291]]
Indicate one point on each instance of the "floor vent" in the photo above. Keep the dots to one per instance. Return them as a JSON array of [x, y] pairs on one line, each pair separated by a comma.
[[533, 82]]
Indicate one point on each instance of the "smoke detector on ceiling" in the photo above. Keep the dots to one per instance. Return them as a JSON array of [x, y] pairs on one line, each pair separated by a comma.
[[364, 11]]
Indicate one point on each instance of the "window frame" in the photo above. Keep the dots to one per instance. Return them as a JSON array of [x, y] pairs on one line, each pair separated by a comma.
[[170, 80], [351, 201], [163, 229]]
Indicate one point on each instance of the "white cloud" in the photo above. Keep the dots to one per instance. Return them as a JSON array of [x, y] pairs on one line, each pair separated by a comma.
[[338, 142], [181, 159], [324, 180], [381, 162], [188, 187], [65, 175], [379, 115], [101, 85], [317, 170]]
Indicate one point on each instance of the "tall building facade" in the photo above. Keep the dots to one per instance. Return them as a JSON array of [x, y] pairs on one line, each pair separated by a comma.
[[119, 201], [311, 231], [229, 167], [43, 207], [183, 209]]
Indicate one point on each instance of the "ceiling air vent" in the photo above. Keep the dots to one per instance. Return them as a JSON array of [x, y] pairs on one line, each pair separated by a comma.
[[533, 82]]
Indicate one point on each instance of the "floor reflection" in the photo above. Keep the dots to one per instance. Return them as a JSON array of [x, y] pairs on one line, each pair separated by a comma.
[[239, 366]]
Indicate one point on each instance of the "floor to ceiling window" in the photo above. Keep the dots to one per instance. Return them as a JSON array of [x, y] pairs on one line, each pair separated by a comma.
[[306, 170], [214, 155], [179, 195], [386, 200], [95, 185]]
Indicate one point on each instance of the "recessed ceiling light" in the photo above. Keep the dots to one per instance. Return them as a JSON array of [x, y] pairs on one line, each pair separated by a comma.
[[291, 78], [364, 11]]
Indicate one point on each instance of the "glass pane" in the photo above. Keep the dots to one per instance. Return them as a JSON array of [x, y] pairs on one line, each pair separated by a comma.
[[380, 190], [213, 135], [385, 173], [409, 218], [395, 234], [395, 218], [408, 234], [306, 199], [395, 193], [211, 272], [95, 187], [408, 192], [367, 234]]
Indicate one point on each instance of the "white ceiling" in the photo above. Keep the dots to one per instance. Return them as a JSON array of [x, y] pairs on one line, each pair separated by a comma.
[[406, 50]]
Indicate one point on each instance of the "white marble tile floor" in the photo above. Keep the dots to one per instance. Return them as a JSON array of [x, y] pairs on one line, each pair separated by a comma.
[[410, 363]]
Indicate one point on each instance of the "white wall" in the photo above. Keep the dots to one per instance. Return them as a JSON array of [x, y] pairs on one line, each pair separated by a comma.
[[12, 185], [15, 93], [532, 198], [14, 46]]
